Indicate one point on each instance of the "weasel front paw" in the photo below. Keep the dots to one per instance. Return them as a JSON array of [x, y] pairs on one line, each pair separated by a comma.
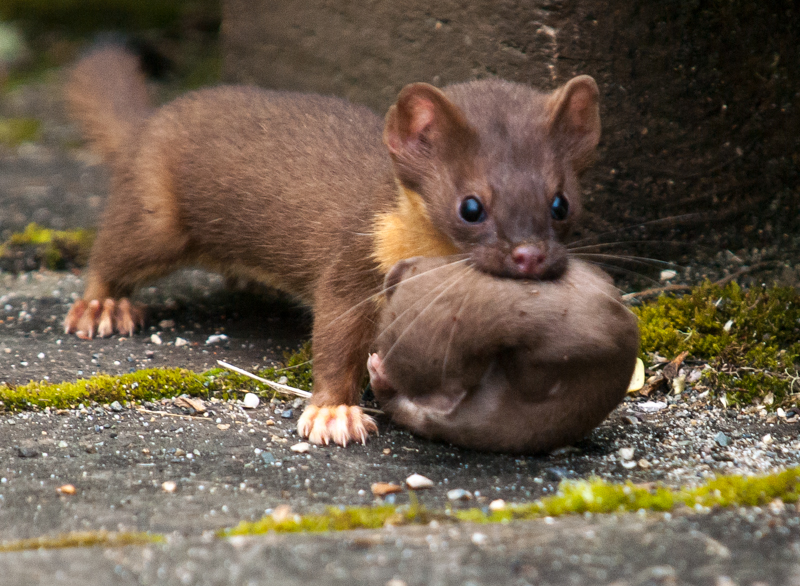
[[341, 425], [87, 319]]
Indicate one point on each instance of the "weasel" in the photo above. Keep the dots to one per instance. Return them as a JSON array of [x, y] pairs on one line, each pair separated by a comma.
[[499, 364], [320, 198]]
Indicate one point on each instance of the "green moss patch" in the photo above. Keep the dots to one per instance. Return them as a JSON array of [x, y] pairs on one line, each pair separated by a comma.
[[38, 247], [152, 384], [573, 497], [751, 339], [81, 539], [15, 131]]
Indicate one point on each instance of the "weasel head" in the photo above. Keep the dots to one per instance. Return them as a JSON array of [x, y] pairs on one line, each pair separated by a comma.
[[496, 165]]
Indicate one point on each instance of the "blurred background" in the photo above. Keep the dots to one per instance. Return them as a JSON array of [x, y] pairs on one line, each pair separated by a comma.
[[700, 102]]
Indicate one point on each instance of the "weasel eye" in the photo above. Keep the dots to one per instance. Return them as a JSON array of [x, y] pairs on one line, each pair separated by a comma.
[[471, 210], [560, 207]]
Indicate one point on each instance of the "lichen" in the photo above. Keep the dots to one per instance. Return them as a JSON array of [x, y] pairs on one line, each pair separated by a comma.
[[149, 385], [38, 247], [751, 339], [82, 539]]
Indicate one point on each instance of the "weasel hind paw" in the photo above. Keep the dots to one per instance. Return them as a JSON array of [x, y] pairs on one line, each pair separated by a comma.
[[96, 318], [341, 425]]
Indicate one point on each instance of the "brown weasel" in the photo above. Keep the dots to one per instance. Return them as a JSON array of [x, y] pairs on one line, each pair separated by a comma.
[[499, 364], [319, 197]]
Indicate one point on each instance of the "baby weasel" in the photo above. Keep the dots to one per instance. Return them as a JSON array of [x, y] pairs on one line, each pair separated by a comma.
[[320, 198]]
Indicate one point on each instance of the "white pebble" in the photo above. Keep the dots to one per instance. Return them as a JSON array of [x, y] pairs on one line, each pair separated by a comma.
[[181, 342], [169, 486], [418, 482], [155, 339], [216, 339], [459, 494], [40, 355], [479, 538], [497, 505], [301, 448], [668, 274], [626, 453], [251, 401]]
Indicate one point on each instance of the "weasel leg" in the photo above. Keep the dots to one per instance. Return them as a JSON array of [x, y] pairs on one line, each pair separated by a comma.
[[341, 425]]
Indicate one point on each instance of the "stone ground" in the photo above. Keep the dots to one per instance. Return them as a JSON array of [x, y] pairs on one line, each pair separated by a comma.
[[233, 465]]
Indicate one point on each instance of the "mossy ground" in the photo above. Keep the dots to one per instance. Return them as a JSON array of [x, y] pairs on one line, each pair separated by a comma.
[[750, 339], [51, 249], [573, 497], [153, 384], [81, 539], [15, 131]]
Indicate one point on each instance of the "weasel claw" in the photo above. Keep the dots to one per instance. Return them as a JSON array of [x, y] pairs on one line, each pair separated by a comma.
[[341, 425], [87, 319]]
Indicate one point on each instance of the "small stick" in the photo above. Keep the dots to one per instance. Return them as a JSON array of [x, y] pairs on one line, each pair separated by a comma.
[[673, 288], [143, 410], [269, 383], [280, 387]]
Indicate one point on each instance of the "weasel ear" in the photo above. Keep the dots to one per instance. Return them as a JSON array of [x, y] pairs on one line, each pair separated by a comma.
[[421, 122], [575, 119]]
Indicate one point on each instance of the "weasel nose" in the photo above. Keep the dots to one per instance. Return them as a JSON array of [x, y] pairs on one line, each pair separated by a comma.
[[530, 259]]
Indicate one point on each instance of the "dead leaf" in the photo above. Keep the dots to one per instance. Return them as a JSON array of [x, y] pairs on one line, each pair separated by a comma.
[[189, 403]]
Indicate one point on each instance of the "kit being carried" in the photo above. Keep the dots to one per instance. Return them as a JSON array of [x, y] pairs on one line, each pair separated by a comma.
[[497, 364]]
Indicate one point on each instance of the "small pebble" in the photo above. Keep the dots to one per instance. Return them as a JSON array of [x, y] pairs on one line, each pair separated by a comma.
[[630, 420], [179, 453], [497, 505], [155, 339], [628, 464], [668, 274], [27, 452], [418, 482], [223, 426], [384, 488], [169, 486], [396, 582], [767, 439], [40, 355], [166, 324], [251, 401], [286, 414], [66, 489], [479, 538], [301, 448], [651, 406], [116, 406], [643, 463], [459, 494], [216, 339], [149, 353], [62, 444], [722, 439], [181, 342], [267, 457], [626, 453]]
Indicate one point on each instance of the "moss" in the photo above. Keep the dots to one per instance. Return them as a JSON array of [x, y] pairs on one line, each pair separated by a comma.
[[150, 385], [41, 247], [757, 354], [89, 15], [15, 131], [82, 539], [573, 497]]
